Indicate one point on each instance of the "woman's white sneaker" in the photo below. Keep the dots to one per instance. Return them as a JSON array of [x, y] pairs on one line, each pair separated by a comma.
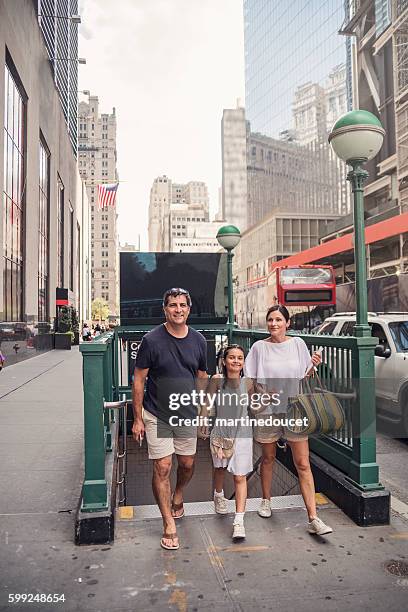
[[317, 527], [264, 509], [238, 531], [220, 504]]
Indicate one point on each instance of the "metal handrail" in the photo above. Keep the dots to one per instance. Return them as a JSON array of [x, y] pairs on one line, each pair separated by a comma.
[[118, 405]]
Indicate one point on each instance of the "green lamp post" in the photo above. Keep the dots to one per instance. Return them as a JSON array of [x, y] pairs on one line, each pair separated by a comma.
[[228, 237], [356, 138]]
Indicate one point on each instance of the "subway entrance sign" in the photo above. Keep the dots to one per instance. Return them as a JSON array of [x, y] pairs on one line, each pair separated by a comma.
[[308, 285]]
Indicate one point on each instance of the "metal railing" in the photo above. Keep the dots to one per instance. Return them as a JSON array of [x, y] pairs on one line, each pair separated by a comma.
[[348, 370]]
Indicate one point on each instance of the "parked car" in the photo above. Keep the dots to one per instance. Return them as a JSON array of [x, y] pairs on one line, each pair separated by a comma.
[[6, 331], [391, 358]]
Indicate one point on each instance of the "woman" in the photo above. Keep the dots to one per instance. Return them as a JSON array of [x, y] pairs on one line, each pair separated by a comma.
[[277, 364], [232, 394]]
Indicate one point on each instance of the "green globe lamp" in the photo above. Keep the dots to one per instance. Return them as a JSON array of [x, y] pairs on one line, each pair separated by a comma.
[[228, 237], [356, 138]]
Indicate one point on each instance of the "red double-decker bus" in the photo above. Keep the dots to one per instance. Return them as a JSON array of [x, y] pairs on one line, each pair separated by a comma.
[[306, 285]]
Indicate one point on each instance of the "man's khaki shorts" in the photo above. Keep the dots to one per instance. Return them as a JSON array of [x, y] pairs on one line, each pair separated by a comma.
[[164, 440], [265, 434]]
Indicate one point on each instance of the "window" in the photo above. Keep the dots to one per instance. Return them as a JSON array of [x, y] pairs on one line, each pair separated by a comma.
[[60, 233], [348, 329], [43, 230], [13, 194], [328, 328], [378, 332]]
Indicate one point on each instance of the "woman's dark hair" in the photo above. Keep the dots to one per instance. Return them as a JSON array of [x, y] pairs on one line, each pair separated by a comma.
[[282, 309], [225, 353]]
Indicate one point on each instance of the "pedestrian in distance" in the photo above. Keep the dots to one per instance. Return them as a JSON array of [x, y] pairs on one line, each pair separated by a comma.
[[173, 358], [277, 364], [86, 333], [231, 444], [2, 360]]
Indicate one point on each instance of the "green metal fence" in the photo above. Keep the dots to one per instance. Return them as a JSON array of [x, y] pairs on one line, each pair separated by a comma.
[[348, 366]]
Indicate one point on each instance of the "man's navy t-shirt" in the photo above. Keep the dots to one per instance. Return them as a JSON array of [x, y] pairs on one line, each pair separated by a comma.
[[173, 364]]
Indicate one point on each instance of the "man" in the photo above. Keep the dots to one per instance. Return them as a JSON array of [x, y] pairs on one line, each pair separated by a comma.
[[172, 355]]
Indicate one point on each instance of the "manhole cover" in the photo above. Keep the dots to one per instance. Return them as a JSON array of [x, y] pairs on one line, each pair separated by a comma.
[[397, 568]]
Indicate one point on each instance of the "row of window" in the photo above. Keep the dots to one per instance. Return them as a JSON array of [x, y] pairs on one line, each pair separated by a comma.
[[15, 119]]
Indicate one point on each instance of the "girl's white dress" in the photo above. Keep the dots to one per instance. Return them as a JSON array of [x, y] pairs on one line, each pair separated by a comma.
[[232, 405]]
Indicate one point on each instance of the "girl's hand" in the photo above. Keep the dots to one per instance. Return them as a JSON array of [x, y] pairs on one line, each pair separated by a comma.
[[203, 432]]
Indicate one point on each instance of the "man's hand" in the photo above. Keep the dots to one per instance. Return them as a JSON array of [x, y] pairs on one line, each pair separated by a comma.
[[138, 430]]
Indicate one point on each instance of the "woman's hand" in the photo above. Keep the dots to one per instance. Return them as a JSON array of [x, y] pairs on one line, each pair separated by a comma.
[[316, 359]]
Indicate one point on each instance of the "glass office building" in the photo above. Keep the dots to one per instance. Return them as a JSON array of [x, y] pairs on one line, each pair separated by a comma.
[[61, 39], [297, 85]]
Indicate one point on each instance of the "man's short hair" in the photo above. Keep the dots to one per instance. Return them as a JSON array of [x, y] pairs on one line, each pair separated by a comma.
[[174, 292]]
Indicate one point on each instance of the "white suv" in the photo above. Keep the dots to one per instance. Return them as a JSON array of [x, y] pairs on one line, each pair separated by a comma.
[[391, 358]]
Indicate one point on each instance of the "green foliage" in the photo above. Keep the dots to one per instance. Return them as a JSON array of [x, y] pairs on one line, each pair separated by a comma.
[[74, 320], [64, 320], [100, 309]]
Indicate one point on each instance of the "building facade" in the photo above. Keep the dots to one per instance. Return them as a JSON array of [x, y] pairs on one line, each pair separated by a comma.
[[60, 32], [292, 95], [234, 195], [276, 175], [97, 165], [179, 217], [41, 231]]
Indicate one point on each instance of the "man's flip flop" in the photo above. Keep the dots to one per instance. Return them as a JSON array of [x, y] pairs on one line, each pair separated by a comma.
[[176, 508], [169, 536]]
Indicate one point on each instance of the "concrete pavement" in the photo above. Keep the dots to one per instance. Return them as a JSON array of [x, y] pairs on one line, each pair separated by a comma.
[[278, 567]]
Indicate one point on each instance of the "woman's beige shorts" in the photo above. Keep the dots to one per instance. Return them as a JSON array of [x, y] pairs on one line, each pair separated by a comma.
[[265, 434], [164, 440]]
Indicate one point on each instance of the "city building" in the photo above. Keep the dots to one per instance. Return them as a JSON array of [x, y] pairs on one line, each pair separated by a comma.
[[234, 202], [58, 21], [97, 165], [179, 217], [293, 93], [41, 227], [199, 237], [275, 176]]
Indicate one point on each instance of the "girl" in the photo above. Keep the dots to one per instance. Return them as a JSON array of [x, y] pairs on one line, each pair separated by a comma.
[[232, 399]]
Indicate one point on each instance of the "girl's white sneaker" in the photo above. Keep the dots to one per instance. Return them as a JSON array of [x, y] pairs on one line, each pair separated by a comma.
[[238, 532]]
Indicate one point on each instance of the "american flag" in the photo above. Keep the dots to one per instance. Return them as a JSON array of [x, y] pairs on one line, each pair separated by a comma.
[[107, 195]]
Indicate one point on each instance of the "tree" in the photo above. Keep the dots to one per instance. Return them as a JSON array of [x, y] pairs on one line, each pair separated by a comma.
[[99, 309]]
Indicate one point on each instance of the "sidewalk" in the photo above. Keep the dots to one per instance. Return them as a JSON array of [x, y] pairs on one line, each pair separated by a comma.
[[279, 566]]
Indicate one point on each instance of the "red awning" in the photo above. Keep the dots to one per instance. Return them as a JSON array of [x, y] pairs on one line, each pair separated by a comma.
[[390, 227]]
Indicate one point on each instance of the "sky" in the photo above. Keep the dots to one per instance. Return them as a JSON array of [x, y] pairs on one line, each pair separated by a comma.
[[169, 67]]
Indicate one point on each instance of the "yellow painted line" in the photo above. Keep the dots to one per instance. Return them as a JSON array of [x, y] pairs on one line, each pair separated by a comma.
[[126, 512], [243, 548], [179, 599], [321, 499], [400, 536], [215, 559]]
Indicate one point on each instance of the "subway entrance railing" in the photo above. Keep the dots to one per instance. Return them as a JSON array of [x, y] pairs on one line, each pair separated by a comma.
[[350, 453]]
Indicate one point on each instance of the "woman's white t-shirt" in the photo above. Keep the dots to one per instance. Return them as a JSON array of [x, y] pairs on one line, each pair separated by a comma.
[[278, 366]]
